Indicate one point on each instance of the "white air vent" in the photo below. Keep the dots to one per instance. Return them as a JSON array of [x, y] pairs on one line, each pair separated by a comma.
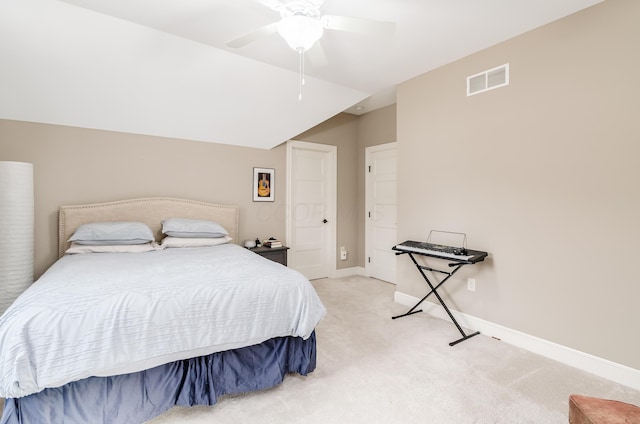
[[488, 80]]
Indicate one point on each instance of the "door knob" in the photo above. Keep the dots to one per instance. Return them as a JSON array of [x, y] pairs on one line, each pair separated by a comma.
[[324, 221]]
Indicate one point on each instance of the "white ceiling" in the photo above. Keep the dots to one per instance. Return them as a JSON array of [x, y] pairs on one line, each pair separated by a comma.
[[161, 67]]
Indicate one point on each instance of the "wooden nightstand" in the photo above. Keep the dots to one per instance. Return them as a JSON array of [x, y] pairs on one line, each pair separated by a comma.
[[276, 254]]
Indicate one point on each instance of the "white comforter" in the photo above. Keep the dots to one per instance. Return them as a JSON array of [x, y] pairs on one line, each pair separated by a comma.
[[104, 314]]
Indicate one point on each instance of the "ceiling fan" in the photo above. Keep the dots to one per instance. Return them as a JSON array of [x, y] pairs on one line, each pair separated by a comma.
[[302, 25]]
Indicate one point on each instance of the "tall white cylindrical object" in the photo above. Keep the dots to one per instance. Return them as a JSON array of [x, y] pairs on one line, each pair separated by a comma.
[[16, 230]]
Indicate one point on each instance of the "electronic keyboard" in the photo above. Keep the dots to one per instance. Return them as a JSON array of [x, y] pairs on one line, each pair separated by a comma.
[[431, 249]]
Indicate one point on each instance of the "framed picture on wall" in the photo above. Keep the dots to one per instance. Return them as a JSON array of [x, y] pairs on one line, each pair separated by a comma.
[[264, 180]]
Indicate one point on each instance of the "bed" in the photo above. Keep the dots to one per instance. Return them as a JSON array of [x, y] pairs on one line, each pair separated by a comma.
[[122, 336]]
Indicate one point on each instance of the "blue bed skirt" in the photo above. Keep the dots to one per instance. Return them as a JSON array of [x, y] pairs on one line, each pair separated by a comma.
[[137, 397]]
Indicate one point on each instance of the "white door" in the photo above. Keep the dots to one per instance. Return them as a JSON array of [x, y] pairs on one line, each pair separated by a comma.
[[311, 194], [381, 213]]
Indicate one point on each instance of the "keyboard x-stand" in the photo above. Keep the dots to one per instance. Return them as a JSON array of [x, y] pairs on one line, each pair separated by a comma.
[[457, 260]]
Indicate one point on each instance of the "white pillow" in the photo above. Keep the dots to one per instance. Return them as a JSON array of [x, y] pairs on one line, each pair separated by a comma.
[[119, 248], [192, 228], [112, 233], [193, 242]]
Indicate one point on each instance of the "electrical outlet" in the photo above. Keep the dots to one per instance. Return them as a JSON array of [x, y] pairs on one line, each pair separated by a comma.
[[343, 254], [471, 284]]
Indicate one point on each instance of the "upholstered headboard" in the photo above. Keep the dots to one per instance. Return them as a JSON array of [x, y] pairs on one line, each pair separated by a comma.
[[150, 210]]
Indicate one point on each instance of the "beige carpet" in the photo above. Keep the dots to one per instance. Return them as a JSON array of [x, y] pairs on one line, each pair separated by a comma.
[[372, 369]]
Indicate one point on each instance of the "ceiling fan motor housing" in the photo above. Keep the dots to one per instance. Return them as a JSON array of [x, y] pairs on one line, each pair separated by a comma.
[[300, 25]]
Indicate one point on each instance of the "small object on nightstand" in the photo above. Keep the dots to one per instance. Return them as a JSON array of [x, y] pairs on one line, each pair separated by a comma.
[[258, 243], [249, 244], [272, 242]]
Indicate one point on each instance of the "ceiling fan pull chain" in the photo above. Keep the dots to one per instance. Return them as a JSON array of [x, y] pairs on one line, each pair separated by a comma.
[[301, 70]]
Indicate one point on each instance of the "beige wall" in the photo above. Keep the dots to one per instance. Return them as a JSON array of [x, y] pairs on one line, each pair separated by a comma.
[[75, 165], [544, 174]]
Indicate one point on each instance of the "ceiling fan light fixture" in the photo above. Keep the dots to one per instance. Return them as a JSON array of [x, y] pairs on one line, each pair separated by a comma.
[[300, 32]]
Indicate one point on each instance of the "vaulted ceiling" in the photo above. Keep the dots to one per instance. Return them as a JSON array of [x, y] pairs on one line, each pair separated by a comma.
[[162, 67]]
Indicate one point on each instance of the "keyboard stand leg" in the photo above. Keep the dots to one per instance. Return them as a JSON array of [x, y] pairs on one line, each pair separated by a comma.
[[434, 290], [466, 336], [411, 311]]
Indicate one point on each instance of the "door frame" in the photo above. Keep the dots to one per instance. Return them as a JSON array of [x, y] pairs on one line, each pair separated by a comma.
[[332, 190], [368, 242]]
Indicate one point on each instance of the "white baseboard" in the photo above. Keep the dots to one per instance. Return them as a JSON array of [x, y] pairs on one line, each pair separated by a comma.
[[347, 272], [604, 368]]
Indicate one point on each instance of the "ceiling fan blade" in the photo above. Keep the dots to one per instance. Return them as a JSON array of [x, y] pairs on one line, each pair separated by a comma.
[[261, 32], [361, 25], [317, 56]]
